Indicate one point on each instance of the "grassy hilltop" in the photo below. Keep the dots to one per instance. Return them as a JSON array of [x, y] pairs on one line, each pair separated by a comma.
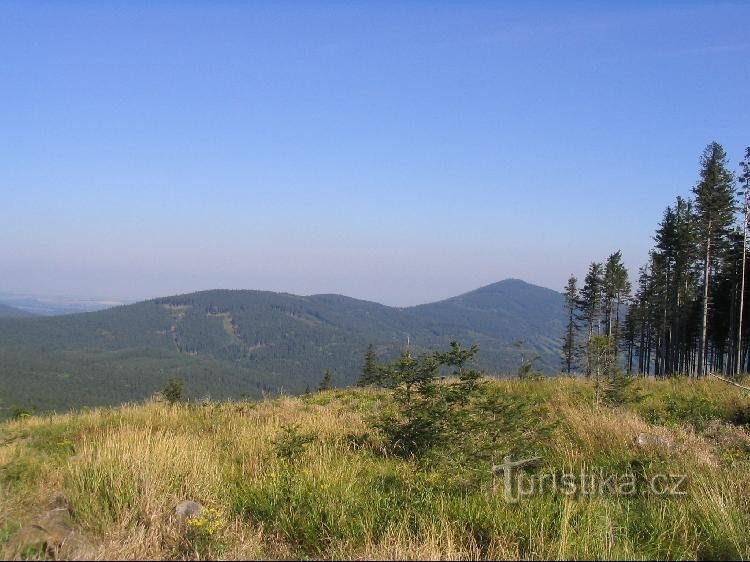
[[312, 477]]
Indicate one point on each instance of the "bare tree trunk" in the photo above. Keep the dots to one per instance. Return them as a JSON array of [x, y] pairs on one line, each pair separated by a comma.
[[588, 348], [617, 322], [738, 365], [704, 313], [570, 342]]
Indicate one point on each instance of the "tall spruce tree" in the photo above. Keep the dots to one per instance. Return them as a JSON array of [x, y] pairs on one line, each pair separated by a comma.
[[663, 265], [662, 320], [685, 283], [370, 368], [715, 206], [644, 303], [744, 181], [616, 288], [590, 308], [632, 325], [688, 312], [569, 340]]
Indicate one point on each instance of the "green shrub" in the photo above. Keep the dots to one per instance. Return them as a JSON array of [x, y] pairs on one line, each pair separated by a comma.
[[676, 409], [21, 412], [174, 391], [426, 408], [290, 444]]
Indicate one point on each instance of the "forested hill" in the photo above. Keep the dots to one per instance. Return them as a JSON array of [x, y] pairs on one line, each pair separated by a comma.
[[7, 311], [233, 342]]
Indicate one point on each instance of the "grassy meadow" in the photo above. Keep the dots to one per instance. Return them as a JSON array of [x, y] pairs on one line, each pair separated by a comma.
[[311, 477]]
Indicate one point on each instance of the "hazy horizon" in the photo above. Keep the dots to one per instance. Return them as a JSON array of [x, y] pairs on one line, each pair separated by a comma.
[[399, 153], [7, 297]]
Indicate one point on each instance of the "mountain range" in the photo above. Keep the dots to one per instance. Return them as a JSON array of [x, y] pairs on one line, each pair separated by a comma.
[[230, 343], [50, 305]]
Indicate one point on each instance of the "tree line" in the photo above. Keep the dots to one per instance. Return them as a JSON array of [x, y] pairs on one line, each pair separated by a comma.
[[686, 313]]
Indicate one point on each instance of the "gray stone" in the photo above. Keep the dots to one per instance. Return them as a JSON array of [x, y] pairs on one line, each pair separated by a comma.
[[187, 509], [652, 440]]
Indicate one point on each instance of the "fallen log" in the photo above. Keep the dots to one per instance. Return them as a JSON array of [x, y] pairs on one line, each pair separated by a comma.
[[730, 382]]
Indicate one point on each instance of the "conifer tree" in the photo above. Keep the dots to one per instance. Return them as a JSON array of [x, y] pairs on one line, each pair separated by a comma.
[[326, 383], [569, 340], [631, 332], [370, 369], [590, 306], [714, 205], [685, 287], [744, 180], [616, 288], [688, 312]]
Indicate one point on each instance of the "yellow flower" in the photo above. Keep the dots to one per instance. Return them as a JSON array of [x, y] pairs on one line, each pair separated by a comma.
[[209, 522]]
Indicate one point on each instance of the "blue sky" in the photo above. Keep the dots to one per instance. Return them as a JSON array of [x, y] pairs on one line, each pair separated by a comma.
[[400, 152]]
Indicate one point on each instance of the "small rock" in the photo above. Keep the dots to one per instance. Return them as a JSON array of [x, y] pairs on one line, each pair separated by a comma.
[[187, 509], [652, 440]]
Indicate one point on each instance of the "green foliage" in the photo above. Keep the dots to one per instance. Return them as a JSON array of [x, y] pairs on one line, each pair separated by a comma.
[[619, 388], [590, 307], [370, 369], [616, 289], [326, 383], [494, 424], [685, 315], [678, 408], [459, 421], [527, 368], [174, 391], [612, 386], [312, 514], [740, 416], [415, 424], [20, 413], [202, 534], [228, 343], [290, 445], [569, 339], [714, 194], [418, 423]]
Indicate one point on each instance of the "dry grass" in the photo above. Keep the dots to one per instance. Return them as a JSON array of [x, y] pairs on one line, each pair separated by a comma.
[[123, 470]]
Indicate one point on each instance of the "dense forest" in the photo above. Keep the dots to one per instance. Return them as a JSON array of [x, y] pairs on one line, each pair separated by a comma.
[[227, 344], [686, 312]]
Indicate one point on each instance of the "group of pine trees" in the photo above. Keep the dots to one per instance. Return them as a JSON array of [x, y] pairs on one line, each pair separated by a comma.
[[687, 313], [594, 314]]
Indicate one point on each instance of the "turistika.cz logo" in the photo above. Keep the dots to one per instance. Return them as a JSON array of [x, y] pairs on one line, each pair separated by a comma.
[[596, 482]]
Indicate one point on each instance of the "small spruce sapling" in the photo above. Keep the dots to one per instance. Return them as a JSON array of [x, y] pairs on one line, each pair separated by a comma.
[[326, 383], [174, 391]]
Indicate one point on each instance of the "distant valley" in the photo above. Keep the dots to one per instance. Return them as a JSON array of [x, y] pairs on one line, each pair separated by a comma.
[[45, 305], [7, 311], [230, 343]]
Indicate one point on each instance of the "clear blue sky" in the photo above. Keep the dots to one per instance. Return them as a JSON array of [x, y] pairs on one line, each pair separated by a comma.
[[400, 152]]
